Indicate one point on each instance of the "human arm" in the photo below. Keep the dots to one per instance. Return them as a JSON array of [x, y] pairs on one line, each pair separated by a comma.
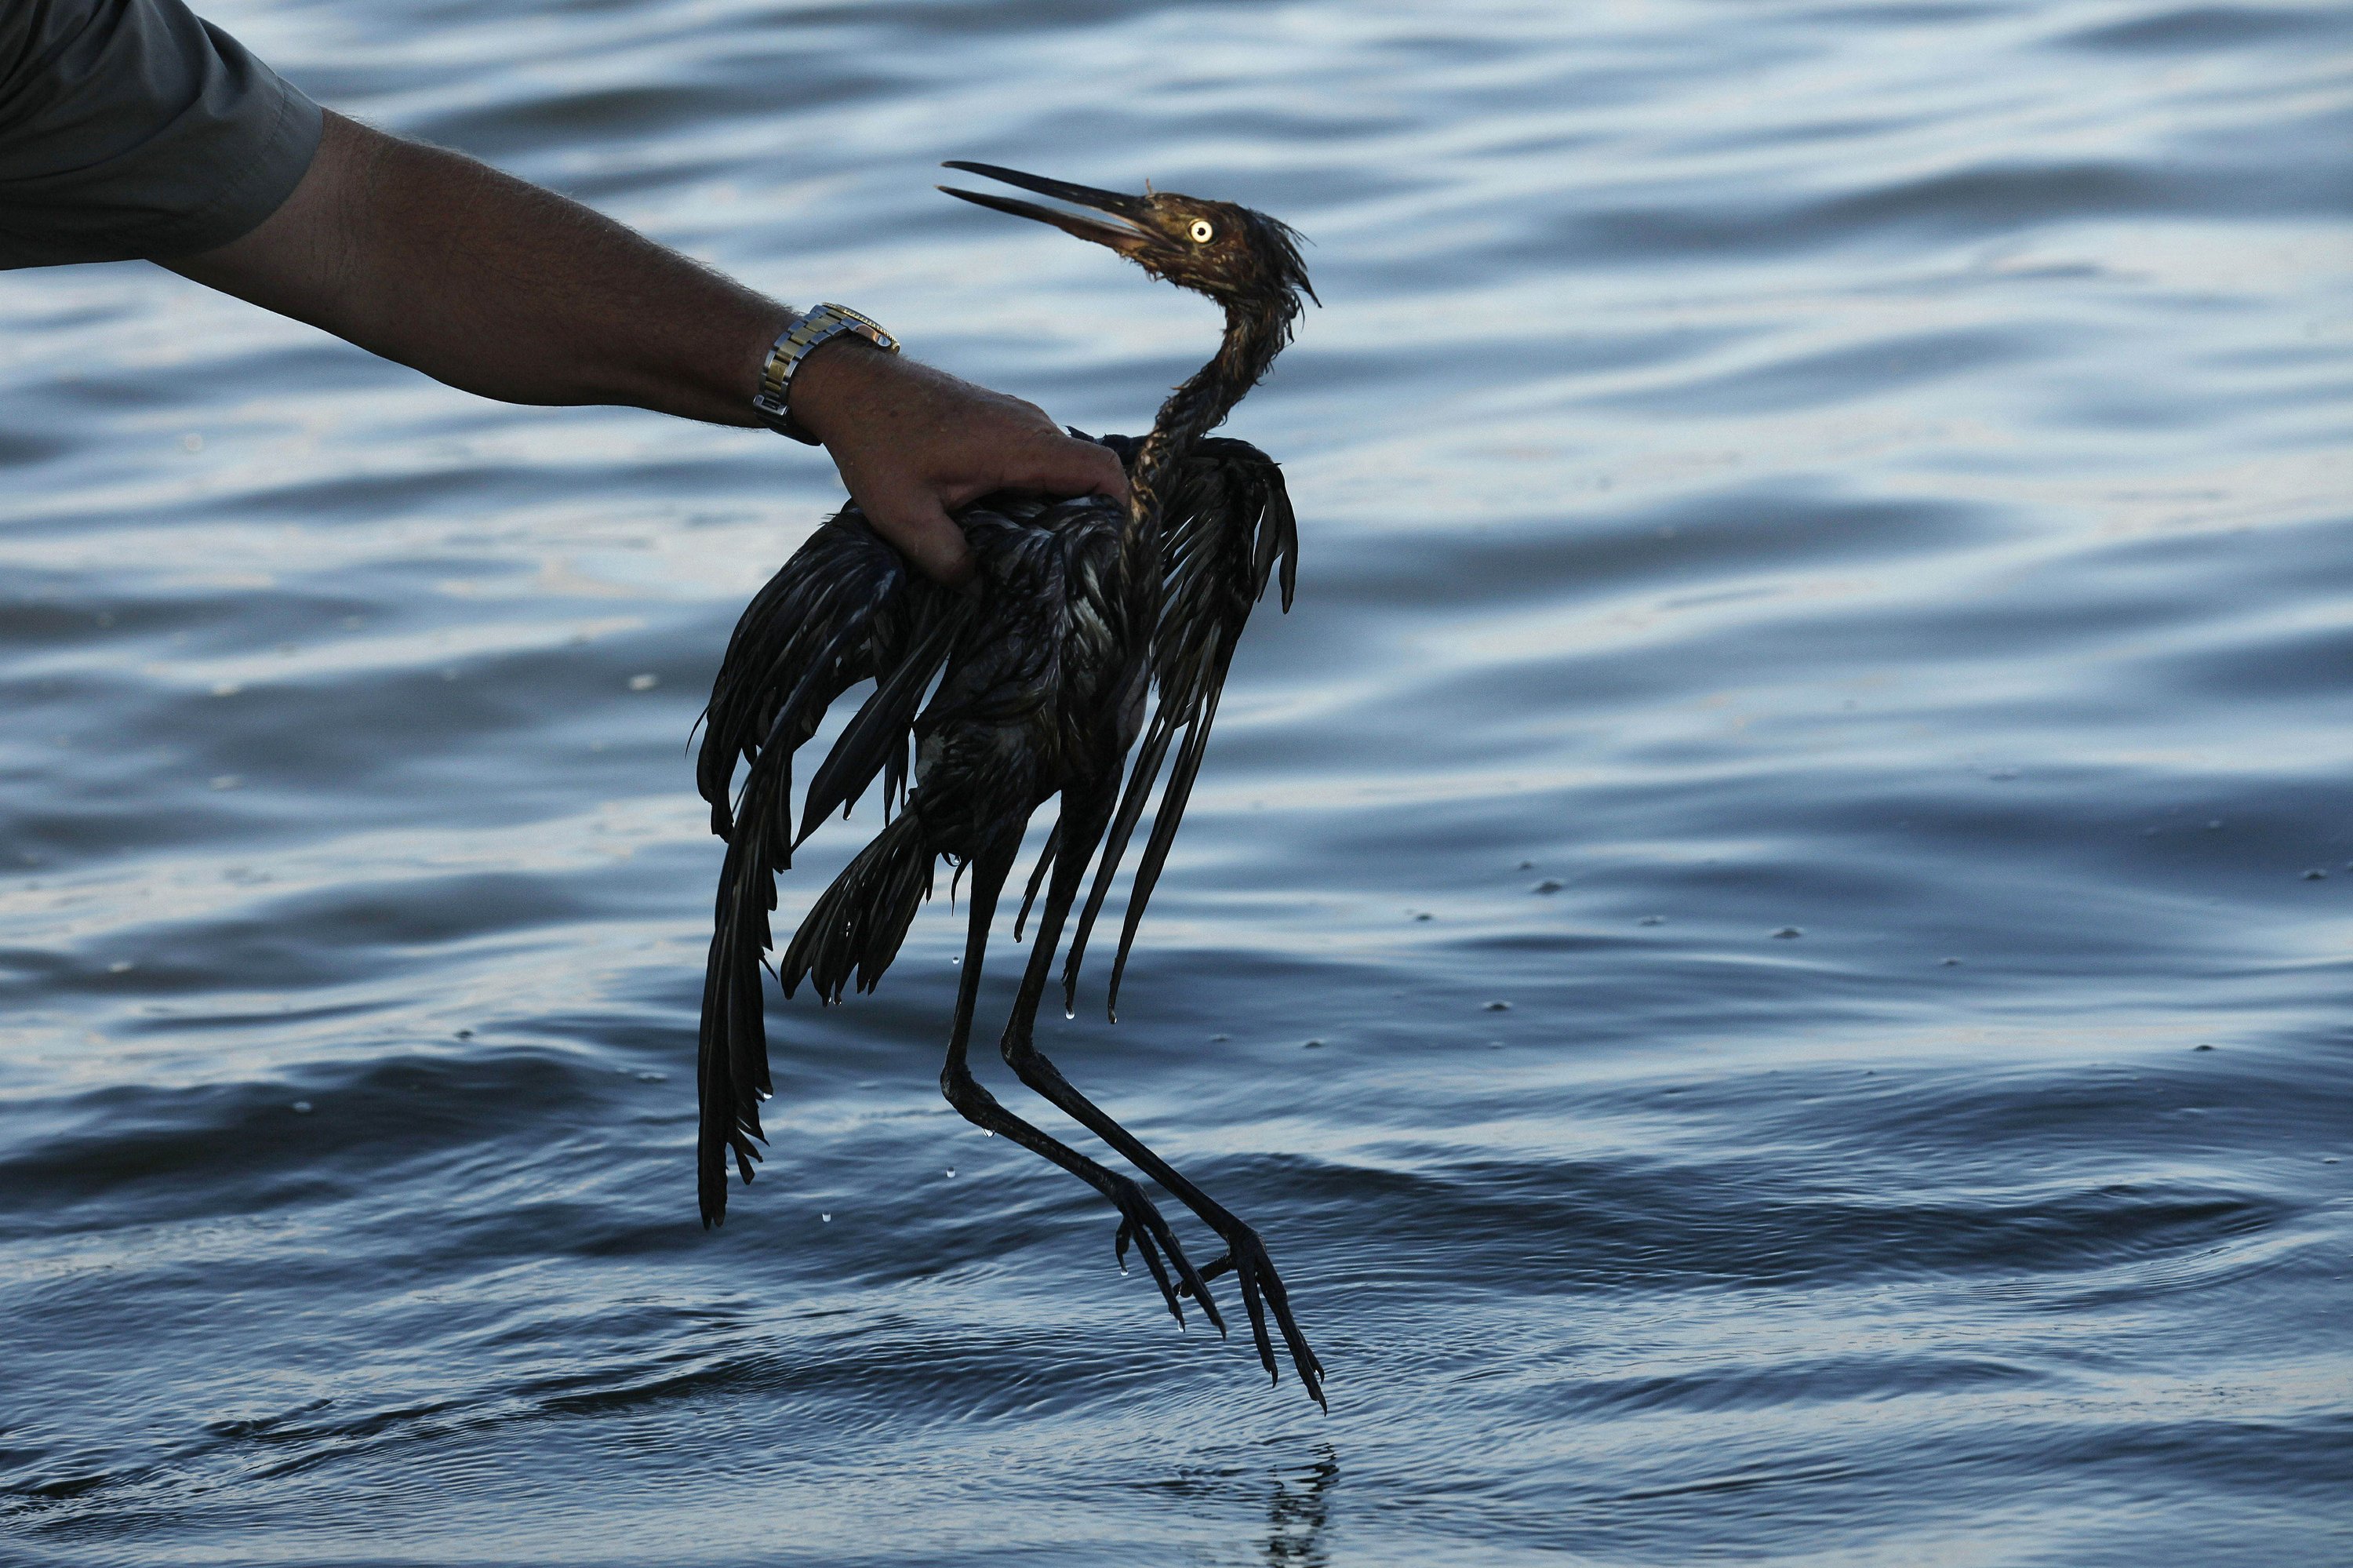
[[499, 287]]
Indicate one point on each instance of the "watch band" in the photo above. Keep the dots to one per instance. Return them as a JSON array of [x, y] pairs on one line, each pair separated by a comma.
[[791, 351]]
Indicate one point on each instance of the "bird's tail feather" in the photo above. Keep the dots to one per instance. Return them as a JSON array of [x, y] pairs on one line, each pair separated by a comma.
[[856, 925]]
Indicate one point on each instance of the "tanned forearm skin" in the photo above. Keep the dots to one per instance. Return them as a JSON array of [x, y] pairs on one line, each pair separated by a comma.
[[496, 286]]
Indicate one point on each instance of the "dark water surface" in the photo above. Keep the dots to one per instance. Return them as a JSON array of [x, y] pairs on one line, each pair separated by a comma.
[[1822, 685]]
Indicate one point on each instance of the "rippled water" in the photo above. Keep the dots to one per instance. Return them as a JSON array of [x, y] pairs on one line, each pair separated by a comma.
[[1804, 800]]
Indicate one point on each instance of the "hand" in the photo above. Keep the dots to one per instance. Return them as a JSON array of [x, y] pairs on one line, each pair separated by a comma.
[[914, 443]]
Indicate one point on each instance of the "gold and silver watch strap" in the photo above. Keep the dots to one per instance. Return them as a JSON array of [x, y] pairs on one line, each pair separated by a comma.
[[792, 351]]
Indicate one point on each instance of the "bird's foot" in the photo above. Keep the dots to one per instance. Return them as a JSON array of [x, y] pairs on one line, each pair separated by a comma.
[[1261, 1288], [1140, 1224]]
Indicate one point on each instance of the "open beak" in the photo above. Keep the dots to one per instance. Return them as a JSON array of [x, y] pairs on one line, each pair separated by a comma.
[[1124, 236]]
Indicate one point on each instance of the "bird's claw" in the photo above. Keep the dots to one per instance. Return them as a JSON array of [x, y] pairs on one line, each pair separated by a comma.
[[1262, 1290], [1140, 1224], [1221, 1264]]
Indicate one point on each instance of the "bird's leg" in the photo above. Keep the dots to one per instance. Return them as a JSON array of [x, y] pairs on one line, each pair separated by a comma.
[[1138, 1218], [1084, 814]]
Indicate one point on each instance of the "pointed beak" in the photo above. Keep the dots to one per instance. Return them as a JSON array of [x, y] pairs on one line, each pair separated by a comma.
[[1124, 236]]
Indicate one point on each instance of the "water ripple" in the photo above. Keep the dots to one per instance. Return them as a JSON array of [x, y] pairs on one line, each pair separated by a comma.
[[1766, 945]]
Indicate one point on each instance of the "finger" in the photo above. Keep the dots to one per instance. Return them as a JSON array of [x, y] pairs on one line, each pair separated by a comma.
[[924, 532], [1064, 465]]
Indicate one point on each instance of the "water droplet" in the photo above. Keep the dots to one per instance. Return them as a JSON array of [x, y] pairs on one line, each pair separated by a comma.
[[121, 967], [1069, 1012], [465, 1035], [2202, 1047], [1950, 963], [644, 682], [1313, 1045], [301, 1107], [1499, 1007], [226, 688], [1787, 931], [826, 1219], [1219, 1039], [192, 442], [950, 1169], [652, 1077], [1527, 865], [1425, 914], [1550, 885], [2315, 874], [1651, 920], [986, 1133], [226, 781]]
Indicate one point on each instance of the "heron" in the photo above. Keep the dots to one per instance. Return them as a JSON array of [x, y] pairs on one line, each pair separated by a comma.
[[1033, 688]]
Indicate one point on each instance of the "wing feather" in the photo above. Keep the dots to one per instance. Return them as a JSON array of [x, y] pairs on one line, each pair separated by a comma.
[[841, 610], [1227, 527]]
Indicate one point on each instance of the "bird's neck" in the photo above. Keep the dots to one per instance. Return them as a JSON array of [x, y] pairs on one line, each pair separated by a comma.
[[1196, 406]]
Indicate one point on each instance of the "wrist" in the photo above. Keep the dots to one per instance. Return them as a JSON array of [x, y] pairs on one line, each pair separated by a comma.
[[783, 396], [834, 378]]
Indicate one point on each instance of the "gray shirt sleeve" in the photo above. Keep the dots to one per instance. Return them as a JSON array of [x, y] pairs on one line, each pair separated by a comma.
[[132, 128]]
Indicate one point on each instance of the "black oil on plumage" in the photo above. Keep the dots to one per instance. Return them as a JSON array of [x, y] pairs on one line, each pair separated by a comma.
[[1096, 626]]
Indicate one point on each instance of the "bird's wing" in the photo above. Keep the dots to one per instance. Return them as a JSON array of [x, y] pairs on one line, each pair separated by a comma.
[[844, 608], [1227, 530], [806, 637]]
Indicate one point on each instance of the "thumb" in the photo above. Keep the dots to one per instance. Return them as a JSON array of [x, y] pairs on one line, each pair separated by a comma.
[[924, 532]]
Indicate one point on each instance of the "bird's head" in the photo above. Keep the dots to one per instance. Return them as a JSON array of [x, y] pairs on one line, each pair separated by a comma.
[[1242, 260]]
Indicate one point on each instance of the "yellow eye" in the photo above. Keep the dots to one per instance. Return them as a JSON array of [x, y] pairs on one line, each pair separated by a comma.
[[1201, 231]]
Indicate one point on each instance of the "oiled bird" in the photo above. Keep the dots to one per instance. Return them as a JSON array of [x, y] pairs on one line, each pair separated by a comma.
[[1098, 630]]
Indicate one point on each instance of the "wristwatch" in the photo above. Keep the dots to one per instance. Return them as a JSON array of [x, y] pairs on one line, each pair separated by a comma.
[[791, 351]]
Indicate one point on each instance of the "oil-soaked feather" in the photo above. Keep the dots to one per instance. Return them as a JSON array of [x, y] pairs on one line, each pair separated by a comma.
[[814, 613], [770, 777], [1165, 822], [1228, 519], [816, 629], [1037, 876], [858, 924], [1142, 774], [879, 728]]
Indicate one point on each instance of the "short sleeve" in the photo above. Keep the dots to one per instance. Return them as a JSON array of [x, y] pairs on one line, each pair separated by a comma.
[[133, 128]]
